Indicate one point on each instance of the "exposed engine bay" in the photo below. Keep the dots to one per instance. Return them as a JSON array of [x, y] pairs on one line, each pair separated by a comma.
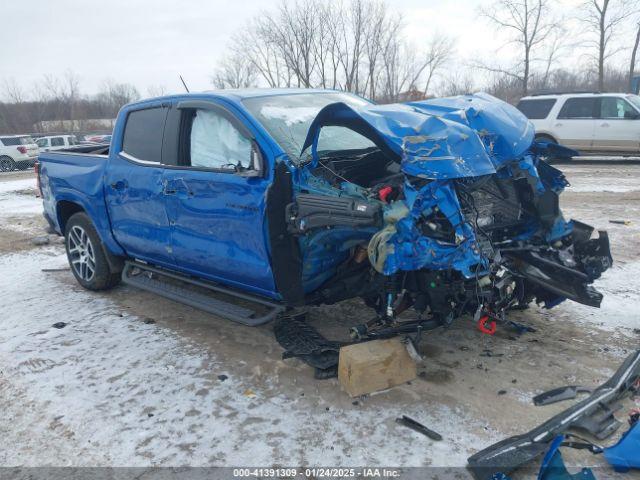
[[451, 211]]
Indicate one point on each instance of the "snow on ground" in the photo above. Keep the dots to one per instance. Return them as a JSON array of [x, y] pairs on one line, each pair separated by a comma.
[[122, 392], [13, 205], [618, 312], [589, 178]]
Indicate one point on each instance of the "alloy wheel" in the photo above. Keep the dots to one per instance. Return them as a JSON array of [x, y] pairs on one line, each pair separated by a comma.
[[81, 253]]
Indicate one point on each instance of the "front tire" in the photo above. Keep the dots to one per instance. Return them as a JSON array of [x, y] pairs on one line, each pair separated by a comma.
[[7, 164], [86, 255]]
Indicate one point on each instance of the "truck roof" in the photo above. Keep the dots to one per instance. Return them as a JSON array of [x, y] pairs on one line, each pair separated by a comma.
[[242, 93]]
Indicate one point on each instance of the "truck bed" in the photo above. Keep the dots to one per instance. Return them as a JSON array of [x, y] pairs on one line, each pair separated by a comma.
[[76, 177]]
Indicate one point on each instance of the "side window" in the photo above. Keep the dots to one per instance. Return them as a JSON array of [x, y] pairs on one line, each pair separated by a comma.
[[143, 134], [578, 108], [614, 107], [536, 109], [57, 142], [42, 142], [214, 142]]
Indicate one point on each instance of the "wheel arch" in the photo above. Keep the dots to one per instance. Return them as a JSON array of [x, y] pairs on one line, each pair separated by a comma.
[[65, 209]]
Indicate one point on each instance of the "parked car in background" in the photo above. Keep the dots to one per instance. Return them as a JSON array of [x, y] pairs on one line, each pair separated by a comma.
[[17, 152], [587, 122], [98, 138], [56, 142]]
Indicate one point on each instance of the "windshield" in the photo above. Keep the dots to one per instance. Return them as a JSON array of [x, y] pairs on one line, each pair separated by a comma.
[[635, 100], [288, 118]]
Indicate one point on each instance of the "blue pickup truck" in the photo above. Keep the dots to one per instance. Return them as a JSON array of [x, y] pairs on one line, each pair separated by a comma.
[[251, 202]]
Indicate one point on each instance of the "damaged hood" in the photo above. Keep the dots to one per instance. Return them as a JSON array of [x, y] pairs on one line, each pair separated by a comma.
[[438, 139]]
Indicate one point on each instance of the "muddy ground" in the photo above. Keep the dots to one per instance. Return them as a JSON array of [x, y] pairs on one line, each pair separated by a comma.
[[136, 380]]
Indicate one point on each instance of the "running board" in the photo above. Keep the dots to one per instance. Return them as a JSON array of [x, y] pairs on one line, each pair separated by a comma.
[[151, 279]]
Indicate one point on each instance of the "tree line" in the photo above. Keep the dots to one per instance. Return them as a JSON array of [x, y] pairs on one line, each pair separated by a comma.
[[360, 46], [59, 99]]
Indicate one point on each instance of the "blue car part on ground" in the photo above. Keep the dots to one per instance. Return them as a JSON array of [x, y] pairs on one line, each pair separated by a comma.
[[553, 468], [514, 452], [625, 454]]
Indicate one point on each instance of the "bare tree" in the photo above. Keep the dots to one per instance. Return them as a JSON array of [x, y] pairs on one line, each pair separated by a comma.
[[235, 71], [12, 91], [603, 17], [439, 52], [634, 52], [113, 96], [530, 23], [156, 90]]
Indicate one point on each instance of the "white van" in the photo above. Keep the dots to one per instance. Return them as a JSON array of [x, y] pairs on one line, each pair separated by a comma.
[[588, 122], [56, 142]]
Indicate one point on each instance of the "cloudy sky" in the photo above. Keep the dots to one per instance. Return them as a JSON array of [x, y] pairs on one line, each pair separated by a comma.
[[150, 42]]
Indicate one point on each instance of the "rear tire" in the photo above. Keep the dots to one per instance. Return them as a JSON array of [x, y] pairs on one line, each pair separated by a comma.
[[86, 255], [7, 164]]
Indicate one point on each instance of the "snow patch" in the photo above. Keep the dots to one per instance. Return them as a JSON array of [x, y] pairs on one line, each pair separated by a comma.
[[618, 312], [121, 392]]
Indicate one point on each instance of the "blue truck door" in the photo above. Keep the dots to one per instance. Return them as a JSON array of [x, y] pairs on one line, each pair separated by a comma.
[[215, 198], [133, 187]]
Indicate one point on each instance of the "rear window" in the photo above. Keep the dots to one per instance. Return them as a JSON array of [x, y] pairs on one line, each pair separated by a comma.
[[578, 108], [536, 109], [17, 141], [143, 134]]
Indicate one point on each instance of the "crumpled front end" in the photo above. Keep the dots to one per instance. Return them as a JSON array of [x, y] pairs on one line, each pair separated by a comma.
[[464, 216]]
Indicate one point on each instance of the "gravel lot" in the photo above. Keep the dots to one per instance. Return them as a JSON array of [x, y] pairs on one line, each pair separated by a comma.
[[136, 380]]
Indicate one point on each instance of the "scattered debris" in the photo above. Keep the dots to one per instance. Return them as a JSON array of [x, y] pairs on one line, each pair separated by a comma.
[[249, 393], [149, 321], [594, 413], [621, 222], [624, 455], [553, 467], [51, 270], [489, 353], [559, 394], [418, 427], [223, 377], [59, 325], [502, 392], [301, 340]]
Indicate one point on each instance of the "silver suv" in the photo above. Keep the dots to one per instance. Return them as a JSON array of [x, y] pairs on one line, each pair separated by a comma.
[[588, 122]]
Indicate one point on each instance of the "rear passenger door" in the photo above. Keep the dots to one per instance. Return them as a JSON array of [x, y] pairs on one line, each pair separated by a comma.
[[133, 187], [618, 126], [215, 195], [575, 125]]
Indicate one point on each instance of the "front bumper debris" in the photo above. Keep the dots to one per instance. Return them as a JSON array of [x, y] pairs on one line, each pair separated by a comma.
[[513, 452]]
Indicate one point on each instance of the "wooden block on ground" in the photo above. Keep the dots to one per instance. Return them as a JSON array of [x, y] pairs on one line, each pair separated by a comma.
[[372, 366]]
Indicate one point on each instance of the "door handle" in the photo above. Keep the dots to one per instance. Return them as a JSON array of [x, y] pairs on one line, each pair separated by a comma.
[[559, 124], [605, 124], [119, 185]]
